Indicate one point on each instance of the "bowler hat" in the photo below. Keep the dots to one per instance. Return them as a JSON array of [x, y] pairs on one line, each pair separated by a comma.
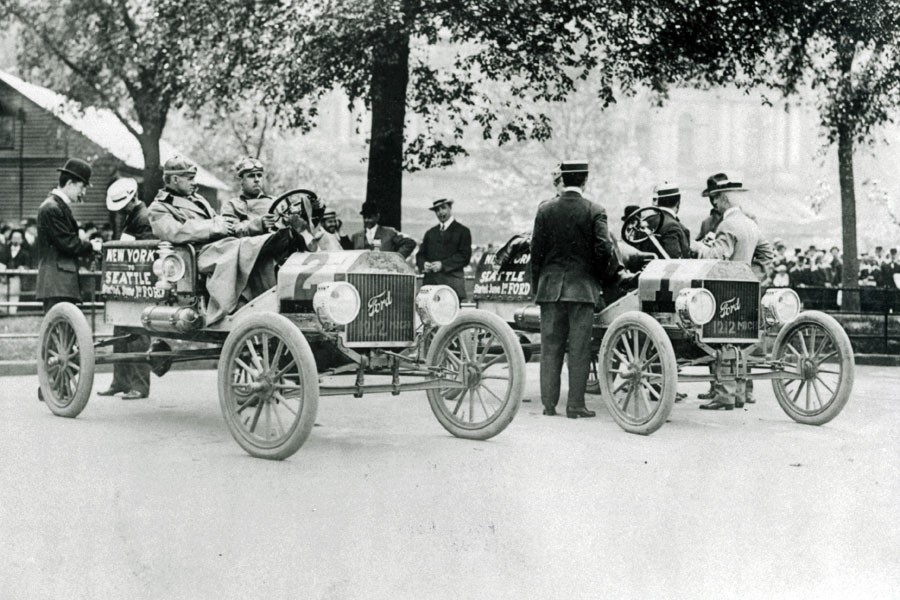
[[369, 209], [79, 169], [441, 202], [248, 165], [720, 182], [120, 193]]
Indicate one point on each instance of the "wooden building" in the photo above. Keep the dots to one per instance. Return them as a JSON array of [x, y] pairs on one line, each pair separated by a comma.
[[40, 128]]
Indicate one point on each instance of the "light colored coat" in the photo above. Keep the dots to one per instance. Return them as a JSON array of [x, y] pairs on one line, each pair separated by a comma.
[[739, 239], [227, 261], [246, 214]]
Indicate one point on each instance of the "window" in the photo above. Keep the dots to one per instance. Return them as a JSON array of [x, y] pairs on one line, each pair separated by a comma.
[[7, 132]]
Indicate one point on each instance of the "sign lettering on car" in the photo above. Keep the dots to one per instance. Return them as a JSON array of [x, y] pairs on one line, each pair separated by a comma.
[[512, 283], [128, 274]]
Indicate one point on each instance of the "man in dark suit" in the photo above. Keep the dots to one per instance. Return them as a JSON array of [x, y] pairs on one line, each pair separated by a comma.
[[673, 236], [58, 244], [570, 254], [446, 250], [132, 380], [380, 237]]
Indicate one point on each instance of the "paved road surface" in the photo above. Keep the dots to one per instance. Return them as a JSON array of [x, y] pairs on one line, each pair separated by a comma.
[[152, 499]]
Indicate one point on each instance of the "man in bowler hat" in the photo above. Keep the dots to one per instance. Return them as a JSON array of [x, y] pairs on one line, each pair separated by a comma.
[[375, 236], [446, 250], [570, 256], [58, 244]]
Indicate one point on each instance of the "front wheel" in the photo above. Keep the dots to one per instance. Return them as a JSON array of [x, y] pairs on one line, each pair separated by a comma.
[[65, 361], [640, 373], [815, 349], [268, 386], [480, 350]]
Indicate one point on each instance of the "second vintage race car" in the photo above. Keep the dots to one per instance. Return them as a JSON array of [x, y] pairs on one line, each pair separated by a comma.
[[701, 313], [335, 322]]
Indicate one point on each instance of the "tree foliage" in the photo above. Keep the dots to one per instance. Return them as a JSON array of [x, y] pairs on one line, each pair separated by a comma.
[[844, 51], [133, 57]]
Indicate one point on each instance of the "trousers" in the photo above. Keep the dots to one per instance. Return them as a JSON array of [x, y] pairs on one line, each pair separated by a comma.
[[565, 325]]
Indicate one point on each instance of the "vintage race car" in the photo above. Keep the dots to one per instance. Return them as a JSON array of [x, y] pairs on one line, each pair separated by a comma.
[[336, 323], [706, 313]]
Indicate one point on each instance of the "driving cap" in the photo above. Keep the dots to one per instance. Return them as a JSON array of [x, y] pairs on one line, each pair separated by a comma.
[[441, 202], [248, 165], [78, 169], [720, 182], [120, 193], [179, 165]]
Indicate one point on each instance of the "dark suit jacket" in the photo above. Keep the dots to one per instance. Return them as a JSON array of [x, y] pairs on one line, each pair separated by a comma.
[[570, 250], [21, 260], [59, 249], [454, 249], [391, 241], [673, 236], [137, 223]]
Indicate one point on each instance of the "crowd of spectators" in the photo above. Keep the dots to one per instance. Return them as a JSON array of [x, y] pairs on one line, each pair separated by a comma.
[[818, 267]]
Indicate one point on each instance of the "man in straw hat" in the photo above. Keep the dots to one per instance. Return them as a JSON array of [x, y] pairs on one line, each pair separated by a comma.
[[132, 380], [673, 236], [58, 244], [237, 267], [446, 250], [570, 257], [328, 236], [737, 238]]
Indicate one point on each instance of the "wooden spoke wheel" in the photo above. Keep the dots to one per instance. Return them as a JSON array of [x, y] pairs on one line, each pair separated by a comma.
[[65, 360], [268, 386], [482, 352], [817, 351], [639, 374]]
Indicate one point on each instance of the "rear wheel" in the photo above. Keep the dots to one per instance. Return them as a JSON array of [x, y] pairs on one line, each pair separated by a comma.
[[65, 361], [639, 373], [482, 352], [816, 350], [268, 386]]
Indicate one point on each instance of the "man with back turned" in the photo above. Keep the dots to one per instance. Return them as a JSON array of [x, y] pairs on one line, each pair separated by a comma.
[[570, 252]]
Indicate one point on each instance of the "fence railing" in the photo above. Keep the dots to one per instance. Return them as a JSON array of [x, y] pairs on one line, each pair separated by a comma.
[[17, 297]]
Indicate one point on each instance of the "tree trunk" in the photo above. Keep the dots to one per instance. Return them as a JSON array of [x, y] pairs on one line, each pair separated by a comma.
[[850, 277], [153, 181], [390, 76]]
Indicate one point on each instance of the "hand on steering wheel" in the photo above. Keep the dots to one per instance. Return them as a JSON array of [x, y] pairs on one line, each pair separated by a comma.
[[642, 225], [300, 202]]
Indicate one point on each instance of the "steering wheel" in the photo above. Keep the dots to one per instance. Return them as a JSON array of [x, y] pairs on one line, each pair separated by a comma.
[[638, 226], [306, 204]]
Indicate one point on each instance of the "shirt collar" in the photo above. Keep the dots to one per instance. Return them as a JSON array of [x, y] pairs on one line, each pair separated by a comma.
[[446, 223], [61, 194], [573, 188]]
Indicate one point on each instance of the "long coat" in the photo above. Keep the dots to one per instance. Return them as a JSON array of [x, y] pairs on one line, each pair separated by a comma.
[[454, 249], [59, 249], [246, 213], [570, 249], [227, 261], [738, 239], [391, 241]]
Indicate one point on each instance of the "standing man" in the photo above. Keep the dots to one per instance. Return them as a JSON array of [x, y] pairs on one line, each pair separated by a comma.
[[737, 238], [328, 238], [570, 252], [58, 245], [446, 250], [249, 212], [380, 237], [132, 380]]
